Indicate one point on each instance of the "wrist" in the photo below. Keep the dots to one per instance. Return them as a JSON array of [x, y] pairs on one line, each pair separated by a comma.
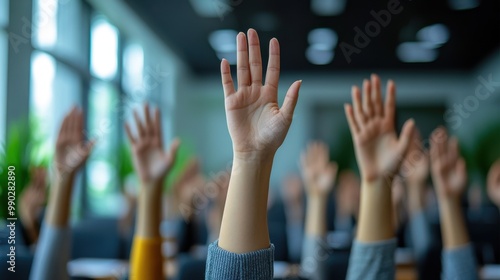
[[256, 157]]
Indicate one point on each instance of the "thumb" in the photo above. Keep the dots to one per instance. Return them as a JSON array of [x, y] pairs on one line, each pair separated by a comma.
[[172, 152], [405, 137], [291, 98]]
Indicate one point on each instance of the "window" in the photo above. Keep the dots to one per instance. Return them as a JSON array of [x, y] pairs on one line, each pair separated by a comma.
[[4, 19], [104, 48]]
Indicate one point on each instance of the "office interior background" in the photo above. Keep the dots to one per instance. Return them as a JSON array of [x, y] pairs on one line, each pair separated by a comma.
[[108, 57]]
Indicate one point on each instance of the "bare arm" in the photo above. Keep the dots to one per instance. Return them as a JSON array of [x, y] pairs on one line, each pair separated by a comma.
[[379, 153], [152, 164], [258, 127]]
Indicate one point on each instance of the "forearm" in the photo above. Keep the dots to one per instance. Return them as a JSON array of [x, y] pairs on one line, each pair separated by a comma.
[[146, 256], [416, 197], [52, 254], [375, 218], [244, 222], [58, 206], [453, 226], [316, 216], [149, 211]]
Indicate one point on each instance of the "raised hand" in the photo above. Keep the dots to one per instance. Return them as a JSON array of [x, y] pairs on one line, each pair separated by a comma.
[[31, 202], [151, 161], [447, 166], [379, 151], [416, 166], [317, 170], [494, 183], [71, 149], [256, 123]]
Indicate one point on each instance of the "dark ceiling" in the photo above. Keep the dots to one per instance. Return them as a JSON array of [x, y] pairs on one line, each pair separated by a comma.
[[473, 33]]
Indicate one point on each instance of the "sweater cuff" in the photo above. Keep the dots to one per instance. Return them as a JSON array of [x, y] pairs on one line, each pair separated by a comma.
[[459, 263], [372, 260], [146, 259], [222, 264]]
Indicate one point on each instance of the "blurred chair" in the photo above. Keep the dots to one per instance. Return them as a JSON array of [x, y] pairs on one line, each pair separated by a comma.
[[96, 238]]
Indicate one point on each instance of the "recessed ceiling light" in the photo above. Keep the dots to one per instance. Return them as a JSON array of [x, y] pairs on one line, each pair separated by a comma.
[[436, 34], [211, 8], [463, 4], [325, 38], [318, 55], [328, 7], [417, 52], [224, 44], [223, 40]]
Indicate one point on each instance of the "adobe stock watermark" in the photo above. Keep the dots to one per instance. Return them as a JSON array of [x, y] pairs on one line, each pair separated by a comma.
[[223, 7], [152, 79], [47, 9], [209, 191], [486, 87], [362, 38]]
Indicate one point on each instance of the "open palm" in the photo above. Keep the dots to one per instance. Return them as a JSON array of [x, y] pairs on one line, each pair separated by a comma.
[[447, 166], [256, 123], [416, 165], [151, 161], [317, 170], [71, 149], [379, 151]]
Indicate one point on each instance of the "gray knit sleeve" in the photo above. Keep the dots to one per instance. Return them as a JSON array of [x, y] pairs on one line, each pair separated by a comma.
[[225, 265], [459, 263], [373, 260], [52, 254], [420, 234], [314, 256]]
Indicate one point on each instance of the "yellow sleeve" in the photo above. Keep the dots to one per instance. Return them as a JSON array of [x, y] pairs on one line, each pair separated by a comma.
[[146, 259]]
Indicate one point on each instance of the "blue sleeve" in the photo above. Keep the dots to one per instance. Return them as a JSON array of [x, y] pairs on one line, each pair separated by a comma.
[[459, 263], [420, 234], [373, 260], [314, 256], [52, 254], [222, 264]]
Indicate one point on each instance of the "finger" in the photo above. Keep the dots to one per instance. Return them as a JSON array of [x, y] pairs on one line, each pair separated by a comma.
[[72, 123], [255, 57], [367, 99], [172, 153], [390, 103], [242, 67], [353, 126], [149, 127], [129, 134], [377, 95], [324, 152], [86, 149], [291, 98], [405, 137], [138, 123], [358, 107], [453, 152], [227, 80], [63, 131], [273, 65], [442, 143], [333, 168], [157, 126], [433, 149], [79, 123]]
